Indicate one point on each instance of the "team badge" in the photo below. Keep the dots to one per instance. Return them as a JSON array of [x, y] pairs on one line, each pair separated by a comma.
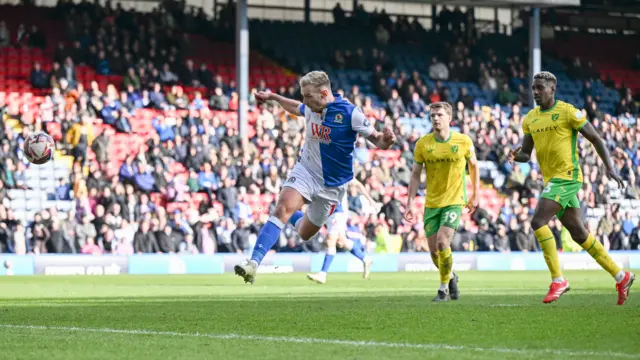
[[555, 117], [338, 119], [454, 149]]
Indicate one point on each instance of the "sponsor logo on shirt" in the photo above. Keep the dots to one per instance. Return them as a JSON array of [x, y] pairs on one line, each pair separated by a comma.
[[545, 129], [321, 133]]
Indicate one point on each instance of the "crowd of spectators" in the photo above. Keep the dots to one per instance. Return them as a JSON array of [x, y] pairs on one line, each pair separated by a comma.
[[116, 213]]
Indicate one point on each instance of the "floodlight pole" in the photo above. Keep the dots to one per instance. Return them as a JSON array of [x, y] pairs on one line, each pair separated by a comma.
[[535, 62], [242, 67]]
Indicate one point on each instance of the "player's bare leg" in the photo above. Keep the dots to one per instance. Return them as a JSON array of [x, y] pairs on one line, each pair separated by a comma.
[[445, 261], [454, 291], [321, 277], [289, 201], [433, 249], [306, 229], [356, 248], [572, 220], [545, 211]]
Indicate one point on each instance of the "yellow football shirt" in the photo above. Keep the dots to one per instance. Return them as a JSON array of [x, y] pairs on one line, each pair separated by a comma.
[[446, 163], [555, 138]]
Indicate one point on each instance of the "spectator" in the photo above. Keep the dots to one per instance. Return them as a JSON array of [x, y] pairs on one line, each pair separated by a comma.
[[484, 238], [5, 35], [38, 77], [144, 240], [395, 104], [219, 100], [438, 70], [144, 180], [382, 35], [240, 238], [417, 107], [525, 240], [37, 38]]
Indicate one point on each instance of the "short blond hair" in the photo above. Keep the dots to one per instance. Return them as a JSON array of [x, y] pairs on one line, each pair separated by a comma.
[[316, 78], [443, 105], [545, 75]]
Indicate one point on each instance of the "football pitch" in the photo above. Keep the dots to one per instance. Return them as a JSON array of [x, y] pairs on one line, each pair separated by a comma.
[[285, 316]]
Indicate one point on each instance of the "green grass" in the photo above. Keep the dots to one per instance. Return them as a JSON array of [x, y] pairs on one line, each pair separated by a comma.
[[500, 316]]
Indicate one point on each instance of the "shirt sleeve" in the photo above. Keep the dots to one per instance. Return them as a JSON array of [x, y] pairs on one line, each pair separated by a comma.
[[360, 124], [417, 153], [525, 125], [576, 118], [470, 148]]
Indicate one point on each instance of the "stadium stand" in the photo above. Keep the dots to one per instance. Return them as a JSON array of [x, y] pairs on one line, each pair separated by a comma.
[[150, 160]]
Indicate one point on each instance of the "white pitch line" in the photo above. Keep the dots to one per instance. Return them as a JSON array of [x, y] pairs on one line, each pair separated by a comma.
[[299, 340]]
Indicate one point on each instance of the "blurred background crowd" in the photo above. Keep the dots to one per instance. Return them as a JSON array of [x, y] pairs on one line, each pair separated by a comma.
[[150, 159]]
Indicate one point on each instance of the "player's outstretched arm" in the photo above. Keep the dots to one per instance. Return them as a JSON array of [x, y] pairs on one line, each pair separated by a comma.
[[363, 190], [523, 152], [416, 173], [382, 140], [290, 105], [589, 132], [472, 204]]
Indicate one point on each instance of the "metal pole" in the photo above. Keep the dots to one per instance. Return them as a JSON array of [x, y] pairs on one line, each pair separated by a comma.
[[534, 49], [242, 66], [434, 17], [307, 11]]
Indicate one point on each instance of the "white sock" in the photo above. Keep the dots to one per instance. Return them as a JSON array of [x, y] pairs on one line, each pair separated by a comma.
[[444, 287], [255, 263], [619, 276], [297, 225], [558, 279], [322, 273]]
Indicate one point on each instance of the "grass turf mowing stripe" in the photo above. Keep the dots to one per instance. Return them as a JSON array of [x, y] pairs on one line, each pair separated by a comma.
[[288, 339]]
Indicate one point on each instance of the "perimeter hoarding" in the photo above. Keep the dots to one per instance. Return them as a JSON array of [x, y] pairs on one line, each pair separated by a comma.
[[153, 264]]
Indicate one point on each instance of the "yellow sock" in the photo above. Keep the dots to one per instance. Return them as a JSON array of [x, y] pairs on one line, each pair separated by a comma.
[[445, 263], [599, 254], [548, 245], [434, 258]]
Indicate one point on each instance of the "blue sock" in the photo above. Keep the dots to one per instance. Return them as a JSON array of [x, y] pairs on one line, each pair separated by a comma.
[[358, 249], [269, 235], [328, 259], [295, 217]]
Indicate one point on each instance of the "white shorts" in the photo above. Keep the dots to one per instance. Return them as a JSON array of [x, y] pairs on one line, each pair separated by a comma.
[[337, 224], [322, 200]]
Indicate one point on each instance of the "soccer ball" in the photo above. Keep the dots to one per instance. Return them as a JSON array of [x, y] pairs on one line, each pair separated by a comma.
[[38, 148]]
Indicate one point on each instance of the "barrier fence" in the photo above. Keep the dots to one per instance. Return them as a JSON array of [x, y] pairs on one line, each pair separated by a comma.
[[153, 264]]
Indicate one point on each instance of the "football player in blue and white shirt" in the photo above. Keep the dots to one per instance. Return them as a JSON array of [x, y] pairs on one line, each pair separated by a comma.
[[324, 168]]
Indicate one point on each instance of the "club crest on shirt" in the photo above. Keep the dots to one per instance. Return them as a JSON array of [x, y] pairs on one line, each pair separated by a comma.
[[555, 117], [338, 119], [454, 149]]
